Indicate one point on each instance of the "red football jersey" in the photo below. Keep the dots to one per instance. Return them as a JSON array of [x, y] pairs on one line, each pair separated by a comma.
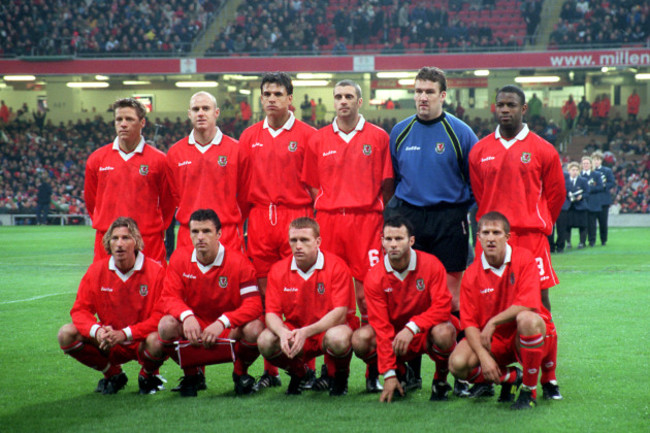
[[305, 301], [348, 174], [105, 299], [228, 287], [484, 294], [136, 188], [211, 180], [276, 164], [422, 297], [524, 182]]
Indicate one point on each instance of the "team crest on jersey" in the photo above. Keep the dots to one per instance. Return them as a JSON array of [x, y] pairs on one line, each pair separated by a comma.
[[320, 288], [144, 290], [512, 278], [419, 284], [223, 282], [223, 160], [367, 149], [440, 147], [144, 170], [525, 157], [293, 146]]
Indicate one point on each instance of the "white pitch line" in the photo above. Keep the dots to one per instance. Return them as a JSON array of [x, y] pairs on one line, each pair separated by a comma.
[[35, 298]]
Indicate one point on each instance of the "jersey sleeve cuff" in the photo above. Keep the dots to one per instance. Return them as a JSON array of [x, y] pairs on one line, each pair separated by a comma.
[[223, 319], [415, 329], [185, 314], [128, 333], [93, 330], [389, 374]]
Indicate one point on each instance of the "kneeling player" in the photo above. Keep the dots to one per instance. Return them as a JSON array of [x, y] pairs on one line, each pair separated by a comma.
[[503, 317], [211, 297], [314, 292], [115, 311], [409, 308]]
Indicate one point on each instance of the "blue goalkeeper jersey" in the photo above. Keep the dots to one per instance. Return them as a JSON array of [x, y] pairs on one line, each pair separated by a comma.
[[430, 160]]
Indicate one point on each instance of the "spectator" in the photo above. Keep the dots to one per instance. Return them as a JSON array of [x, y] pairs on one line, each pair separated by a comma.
[[633, 104]]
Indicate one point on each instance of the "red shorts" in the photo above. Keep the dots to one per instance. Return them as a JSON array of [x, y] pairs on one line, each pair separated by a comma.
[[537, 243], [123, 353], [231, 237], [353, 236], [154, 247], [268, 234]]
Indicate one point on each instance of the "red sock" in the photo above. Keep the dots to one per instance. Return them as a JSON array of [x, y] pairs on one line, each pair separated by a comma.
[[88, 355], [150, 364], [476, 375], [270, 368], [441, 358], [549, 363], [371, 364], [531, 350], [246, 354], [338, 363], [509, 375], [312, 364], [293, 366]]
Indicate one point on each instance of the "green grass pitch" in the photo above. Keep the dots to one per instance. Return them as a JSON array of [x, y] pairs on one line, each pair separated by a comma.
[[600, 308]]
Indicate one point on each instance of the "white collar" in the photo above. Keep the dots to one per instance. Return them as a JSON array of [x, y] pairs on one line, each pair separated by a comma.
[[411, 267], [218, 261], [216, 141], [347, 137], [320, 263], [508, 143], [126, 156], [287, 125], [499, 271], [139, 262]]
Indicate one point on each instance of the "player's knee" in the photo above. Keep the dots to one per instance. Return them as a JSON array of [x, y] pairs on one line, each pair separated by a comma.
[[267, 343], [529, 322], [362, 340], [459, 360], [444, 335], [167, 327], [337, 339], [68, 334], [153, 345], [252, 330]]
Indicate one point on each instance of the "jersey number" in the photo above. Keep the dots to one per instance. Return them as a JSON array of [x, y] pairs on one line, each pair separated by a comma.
[[540, 265], [373, 257]]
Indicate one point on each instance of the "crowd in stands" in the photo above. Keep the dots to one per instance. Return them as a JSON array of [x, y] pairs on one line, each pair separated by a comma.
[[98, 27], [588, 23], [381, 26], [32, 151]]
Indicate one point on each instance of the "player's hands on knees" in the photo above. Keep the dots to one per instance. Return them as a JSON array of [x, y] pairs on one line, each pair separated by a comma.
[[192, 330], [490, 369], [401, 342], [299, 338], [390, 386], [211, 333]]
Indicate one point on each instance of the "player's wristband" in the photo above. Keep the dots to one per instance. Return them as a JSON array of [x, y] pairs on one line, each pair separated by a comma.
[[411, 326], [185, 314], [127, 333], [224, 320], [389, 374], [94, 329]]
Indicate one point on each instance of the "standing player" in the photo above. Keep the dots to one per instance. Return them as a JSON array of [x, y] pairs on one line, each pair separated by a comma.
[[127, 178], [210, 293], [313, 292], [604, 197], [276, 150], [205, 170], [430, 152], [409, 307], [115, 311], [519, 174], [504, 320], [348, 167], [594, 206]]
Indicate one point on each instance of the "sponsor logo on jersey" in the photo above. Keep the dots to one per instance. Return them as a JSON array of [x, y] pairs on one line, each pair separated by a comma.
[[525, 157], [144, 170], [223, 282], [257, 144], [388, 289], [144, 290], [367, 149], [180, 164], [487, 290], [106, 289], [328, 153], [290, 289], [512, 278], [320, 288], [487, 158], [293, 146], [190, 276], [419, 284], [440, 147], [223, 160], [107, 168], [411, 148]]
